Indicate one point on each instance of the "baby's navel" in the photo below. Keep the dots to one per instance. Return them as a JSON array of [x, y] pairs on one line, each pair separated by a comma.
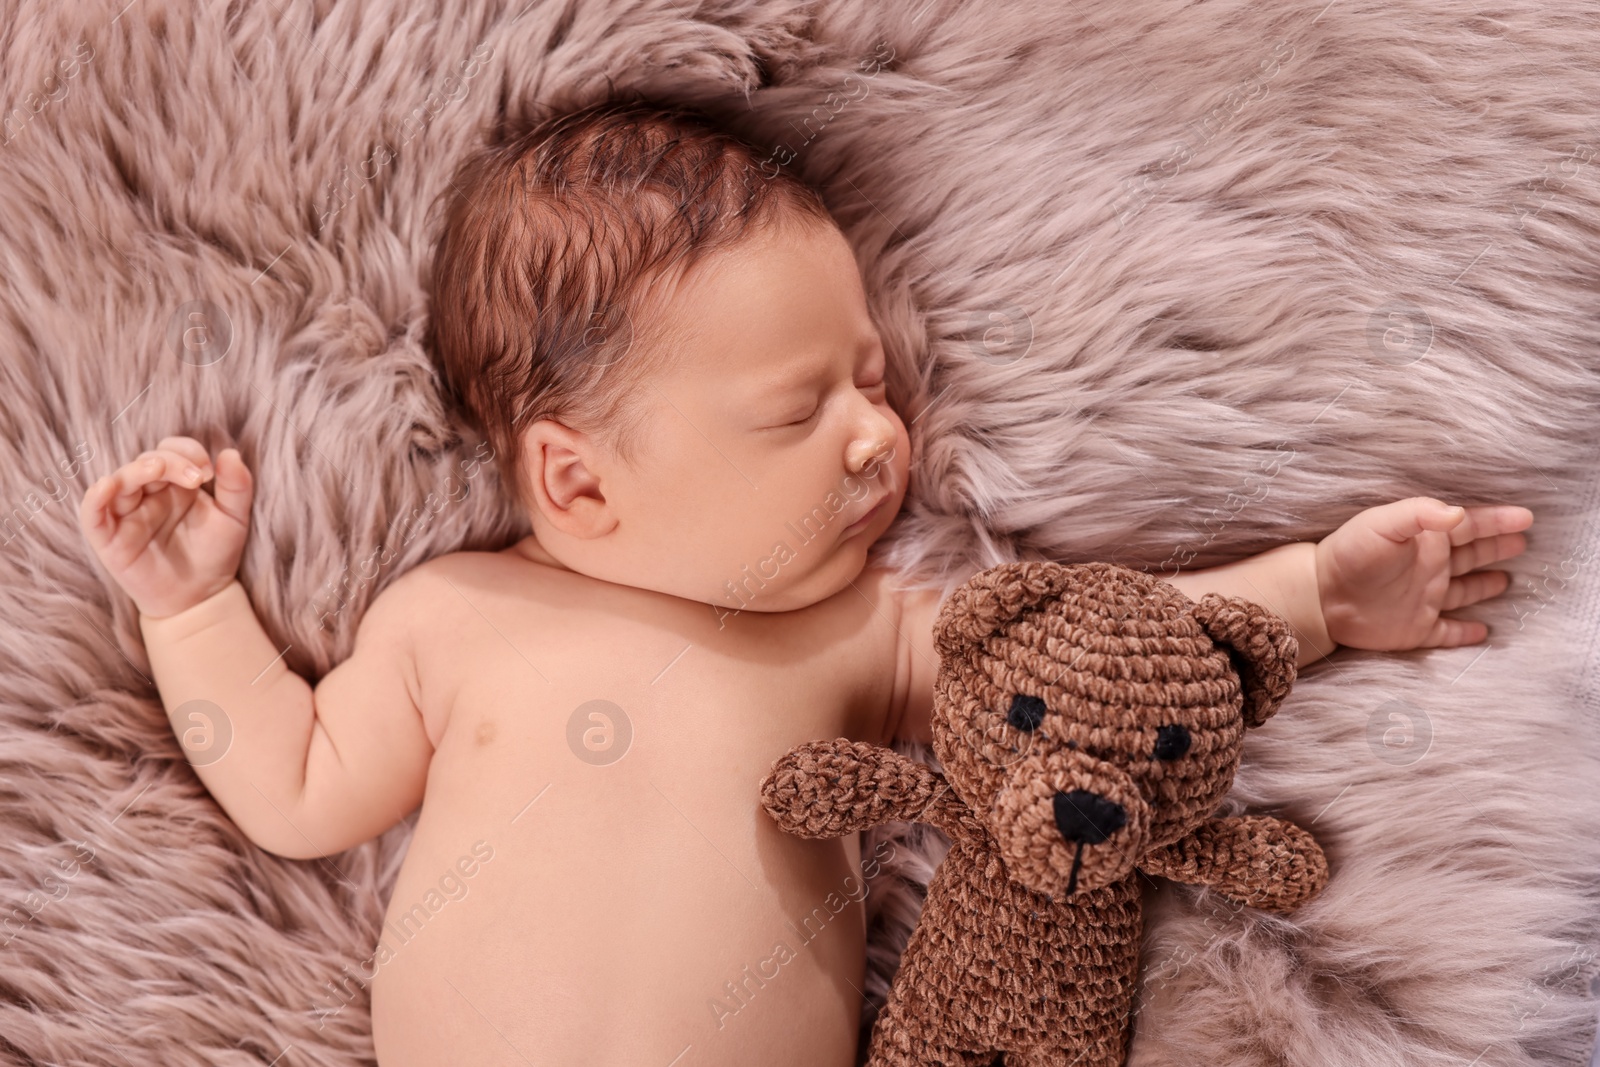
[[485, 732]]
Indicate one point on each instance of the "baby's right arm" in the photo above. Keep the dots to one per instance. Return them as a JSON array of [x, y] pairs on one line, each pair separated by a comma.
[[303, 773]]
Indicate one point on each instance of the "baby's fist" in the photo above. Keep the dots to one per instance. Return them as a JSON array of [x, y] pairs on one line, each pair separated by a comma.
[[168, 543]]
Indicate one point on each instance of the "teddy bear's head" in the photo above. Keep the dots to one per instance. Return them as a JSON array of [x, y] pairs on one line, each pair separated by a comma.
[[1088, 713]]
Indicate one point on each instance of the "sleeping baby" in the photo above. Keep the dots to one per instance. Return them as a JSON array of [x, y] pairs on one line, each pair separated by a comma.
[[666, 341]]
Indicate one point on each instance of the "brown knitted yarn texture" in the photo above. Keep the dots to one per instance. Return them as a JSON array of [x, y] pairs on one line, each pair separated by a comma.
[[1089, 720]]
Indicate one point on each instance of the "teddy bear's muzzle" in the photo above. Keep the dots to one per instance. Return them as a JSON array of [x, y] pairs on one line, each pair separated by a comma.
[[1087, 818], [1068, 823]]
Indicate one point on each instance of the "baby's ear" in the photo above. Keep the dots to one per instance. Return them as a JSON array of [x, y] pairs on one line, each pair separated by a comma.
[[558, 480], [1261, 645]]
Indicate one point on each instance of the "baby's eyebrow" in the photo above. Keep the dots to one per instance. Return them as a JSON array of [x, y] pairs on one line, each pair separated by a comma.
[[801, 374], [805, 372]]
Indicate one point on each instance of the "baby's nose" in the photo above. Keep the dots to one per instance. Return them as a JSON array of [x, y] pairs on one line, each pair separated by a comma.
[[869, 455], [1087, 817]]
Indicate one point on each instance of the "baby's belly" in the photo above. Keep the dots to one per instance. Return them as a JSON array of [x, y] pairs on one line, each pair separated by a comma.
[[557, 911]]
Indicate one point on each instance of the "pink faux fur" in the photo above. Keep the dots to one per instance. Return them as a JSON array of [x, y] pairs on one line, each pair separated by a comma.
[[1164, 283]]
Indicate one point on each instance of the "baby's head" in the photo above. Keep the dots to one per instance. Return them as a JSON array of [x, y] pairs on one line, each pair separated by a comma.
[[665, 339]]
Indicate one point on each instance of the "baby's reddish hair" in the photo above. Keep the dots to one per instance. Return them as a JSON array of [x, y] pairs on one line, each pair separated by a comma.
[[553, 246]]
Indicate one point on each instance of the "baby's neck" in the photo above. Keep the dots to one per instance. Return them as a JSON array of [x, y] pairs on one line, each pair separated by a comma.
[[530, 548]]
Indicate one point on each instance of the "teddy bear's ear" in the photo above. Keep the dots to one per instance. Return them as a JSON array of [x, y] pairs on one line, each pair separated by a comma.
[[993, 597], [1262, 646]]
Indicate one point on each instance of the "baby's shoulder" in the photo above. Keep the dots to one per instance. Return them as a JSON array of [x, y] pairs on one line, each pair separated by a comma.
[[431, 593]]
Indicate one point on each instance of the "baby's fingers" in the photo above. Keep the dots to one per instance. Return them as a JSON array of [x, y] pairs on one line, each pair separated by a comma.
[[120, 492], [107, 517], [93, 516], [1471, 588], [1490, 520], [157, 465], [1475, 554], [1448, 633], [190, 449], [234, 486], [106, 501]]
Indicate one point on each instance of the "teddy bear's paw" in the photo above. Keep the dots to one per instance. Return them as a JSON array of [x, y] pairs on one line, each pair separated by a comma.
[[1258, 860], [824, 789], [1286, 867], [1299, 869]]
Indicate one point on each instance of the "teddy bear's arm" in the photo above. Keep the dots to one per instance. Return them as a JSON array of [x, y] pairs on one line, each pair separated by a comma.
[[1257, 860], [833, 788]]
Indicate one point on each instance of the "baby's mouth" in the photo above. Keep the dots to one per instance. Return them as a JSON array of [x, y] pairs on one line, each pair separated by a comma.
[[889, 490], [871, 514]]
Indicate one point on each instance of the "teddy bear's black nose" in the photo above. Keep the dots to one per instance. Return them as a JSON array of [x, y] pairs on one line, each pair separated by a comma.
[[1088, 817]]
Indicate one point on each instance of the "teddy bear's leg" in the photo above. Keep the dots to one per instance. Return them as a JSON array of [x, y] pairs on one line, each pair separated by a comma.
[[1076, 1057], [901, 1039]]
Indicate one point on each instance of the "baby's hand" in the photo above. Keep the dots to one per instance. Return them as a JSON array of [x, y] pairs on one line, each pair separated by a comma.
[[1385, 576], [166, 542]]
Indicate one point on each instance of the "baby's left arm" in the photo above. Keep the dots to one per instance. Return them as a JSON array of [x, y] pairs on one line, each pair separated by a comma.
[[1381, 581]]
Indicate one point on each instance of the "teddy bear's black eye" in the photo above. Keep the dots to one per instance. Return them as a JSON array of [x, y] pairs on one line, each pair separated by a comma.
[[1026, 713], [1171, 742]]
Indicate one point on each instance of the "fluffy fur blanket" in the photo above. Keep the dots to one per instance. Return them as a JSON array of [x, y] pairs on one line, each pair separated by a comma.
[[1165, 283]]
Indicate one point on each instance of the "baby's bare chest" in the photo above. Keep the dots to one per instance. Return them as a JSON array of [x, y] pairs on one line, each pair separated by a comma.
[[601, 690], [600, 674], [608, 764]]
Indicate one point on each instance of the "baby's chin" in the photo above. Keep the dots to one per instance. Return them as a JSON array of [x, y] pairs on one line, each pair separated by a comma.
[[834, 575]]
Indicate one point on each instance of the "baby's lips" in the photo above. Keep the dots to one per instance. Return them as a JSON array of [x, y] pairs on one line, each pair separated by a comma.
[[888, 495], [868, 511]]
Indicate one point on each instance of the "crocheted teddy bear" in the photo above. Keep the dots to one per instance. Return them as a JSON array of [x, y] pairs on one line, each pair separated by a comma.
[[1089, 719]]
